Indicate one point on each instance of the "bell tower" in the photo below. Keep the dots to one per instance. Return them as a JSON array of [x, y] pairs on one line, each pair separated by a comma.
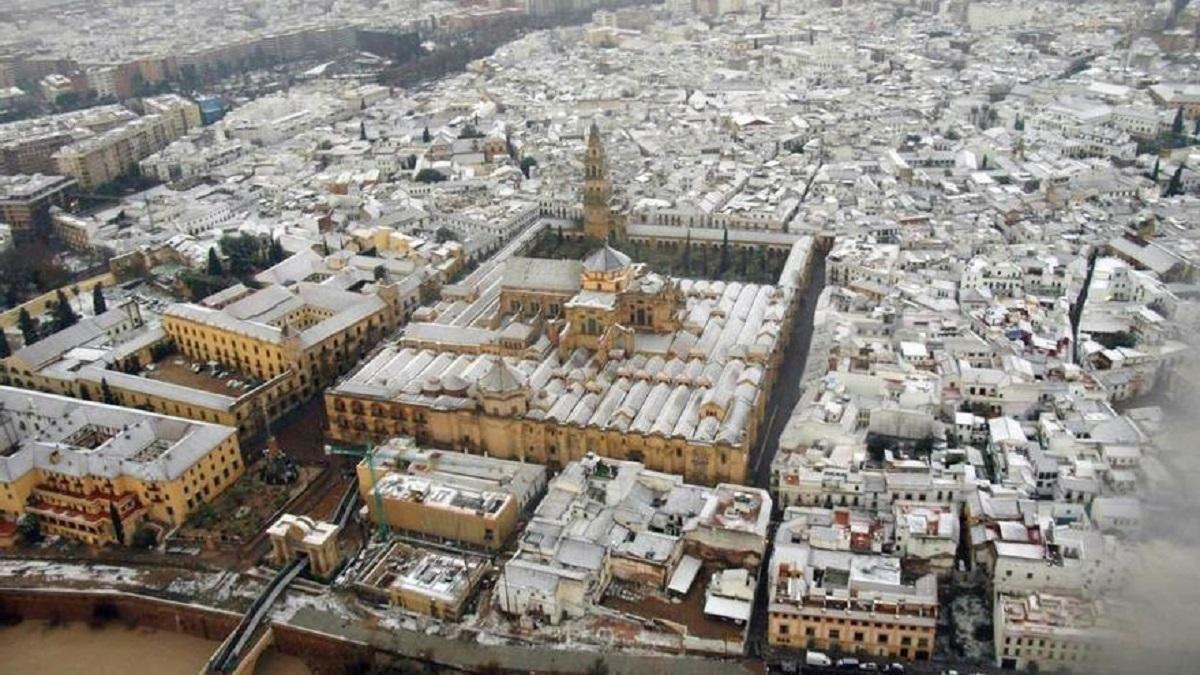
[[597, 191]]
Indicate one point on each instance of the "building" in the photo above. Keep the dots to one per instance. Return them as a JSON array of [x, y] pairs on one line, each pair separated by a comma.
[[180, 114], [1050, 632], [622, 362], [433, 583], [97, 472], [849, 602], [26, 200], [108, 156], [211, 109], [302, 336], [599, 220], [452, 497], [293, 535], [28, 146], [604, 519]]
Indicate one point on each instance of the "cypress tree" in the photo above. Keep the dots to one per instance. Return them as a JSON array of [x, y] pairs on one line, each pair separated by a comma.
[[215, 268], [1175, 186], [29, 328], [1154, 173], [687, 252], [99, 304], [5, 350], [1177, 125], [724, 264], [64, 315]]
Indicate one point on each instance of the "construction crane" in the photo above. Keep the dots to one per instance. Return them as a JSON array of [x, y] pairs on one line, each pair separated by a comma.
[[367, 452]]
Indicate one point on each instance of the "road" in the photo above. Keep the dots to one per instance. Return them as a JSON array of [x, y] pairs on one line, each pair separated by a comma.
[[779, 409], [787, 382]]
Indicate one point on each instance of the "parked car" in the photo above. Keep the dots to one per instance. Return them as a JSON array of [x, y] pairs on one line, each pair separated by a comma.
[[869, 666], [893, 668], [817, 659], [847, 664]]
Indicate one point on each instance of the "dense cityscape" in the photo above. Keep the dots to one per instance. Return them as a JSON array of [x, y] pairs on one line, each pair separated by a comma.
[[599, 336]]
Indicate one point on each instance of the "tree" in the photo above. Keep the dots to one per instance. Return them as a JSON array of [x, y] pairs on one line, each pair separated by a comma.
[[1196, 129], [276, 252], [64, 315], [876, 448], [724, 264], [527, 163], [245, 253], [99, 304], [380, 273], [686, 260], [430, 176], [362, 130], [5, 350], [1175, 186], [215, 268], [118, 527], [558, 237], [30, 529], [145, 537], [1154, 173], [1177, 125], [983, 164], [426, 136], [1019, 125], [106, 393], [29, 327]]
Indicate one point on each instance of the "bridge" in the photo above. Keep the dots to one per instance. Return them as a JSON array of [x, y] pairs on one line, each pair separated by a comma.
[[240, 649], [229, 655]]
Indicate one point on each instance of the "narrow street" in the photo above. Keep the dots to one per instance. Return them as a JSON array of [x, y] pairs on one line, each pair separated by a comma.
[[783, 399], [787, 384]]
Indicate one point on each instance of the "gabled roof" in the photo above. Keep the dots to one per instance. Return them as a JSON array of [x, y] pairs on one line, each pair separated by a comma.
[[499, 378], [541, 274], [606, 259]]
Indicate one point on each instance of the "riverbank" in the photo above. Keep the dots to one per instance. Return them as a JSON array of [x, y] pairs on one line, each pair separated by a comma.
[[114, 648]]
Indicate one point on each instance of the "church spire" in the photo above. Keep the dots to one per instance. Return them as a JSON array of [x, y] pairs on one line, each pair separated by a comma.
[[597, 191]]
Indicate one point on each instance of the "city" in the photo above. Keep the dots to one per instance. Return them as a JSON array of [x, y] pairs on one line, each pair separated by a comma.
[[599, 336]]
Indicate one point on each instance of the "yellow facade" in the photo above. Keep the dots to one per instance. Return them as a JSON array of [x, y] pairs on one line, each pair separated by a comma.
[[87, 507], [355, 420], [414, 516], [898, 633], [302, 369]]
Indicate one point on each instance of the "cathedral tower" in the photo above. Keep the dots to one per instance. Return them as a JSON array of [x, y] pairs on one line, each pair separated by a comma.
[[597, 191]]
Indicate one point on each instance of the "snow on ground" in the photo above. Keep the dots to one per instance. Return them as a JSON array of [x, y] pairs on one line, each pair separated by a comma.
[[47, 570], [328, 603]]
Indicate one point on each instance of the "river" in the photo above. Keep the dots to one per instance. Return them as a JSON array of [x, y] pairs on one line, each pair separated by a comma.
[[116, 649]]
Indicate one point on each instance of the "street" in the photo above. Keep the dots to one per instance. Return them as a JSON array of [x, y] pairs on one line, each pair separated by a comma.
[[787, 384], [783, 399]]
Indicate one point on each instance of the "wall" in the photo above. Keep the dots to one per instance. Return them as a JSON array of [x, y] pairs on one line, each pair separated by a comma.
[[201, 622]]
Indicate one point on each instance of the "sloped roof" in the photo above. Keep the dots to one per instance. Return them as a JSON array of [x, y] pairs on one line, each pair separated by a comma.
[[499, 378], [541, 274], [606, 259]]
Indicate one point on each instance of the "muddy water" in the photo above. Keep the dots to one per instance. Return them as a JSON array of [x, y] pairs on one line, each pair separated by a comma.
[[36, 648]]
